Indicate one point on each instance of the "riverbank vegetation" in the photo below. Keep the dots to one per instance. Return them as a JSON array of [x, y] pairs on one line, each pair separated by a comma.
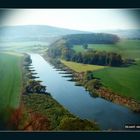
[[119, 71], [65, 48], [96, 87], [39, 111], [58, 117]]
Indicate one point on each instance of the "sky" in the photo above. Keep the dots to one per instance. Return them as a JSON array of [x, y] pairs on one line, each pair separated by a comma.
[[79, 19]]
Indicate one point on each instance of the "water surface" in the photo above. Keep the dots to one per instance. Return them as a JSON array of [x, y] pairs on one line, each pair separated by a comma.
[[79, 102]]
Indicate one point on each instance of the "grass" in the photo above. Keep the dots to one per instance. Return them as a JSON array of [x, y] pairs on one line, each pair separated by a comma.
[[128, 48], [10, 80], [23, 46], [124, 81], [79, 67], [99, 47]]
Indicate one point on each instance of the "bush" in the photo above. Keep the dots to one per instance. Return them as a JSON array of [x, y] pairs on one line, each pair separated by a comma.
[[77, 124]]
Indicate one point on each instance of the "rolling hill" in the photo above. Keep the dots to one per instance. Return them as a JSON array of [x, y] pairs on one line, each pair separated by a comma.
[[33, 33]]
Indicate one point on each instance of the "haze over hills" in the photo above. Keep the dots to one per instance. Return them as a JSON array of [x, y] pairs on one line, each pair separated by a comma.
[[34, 36], [126, 33], [33, 33], [49, 33]]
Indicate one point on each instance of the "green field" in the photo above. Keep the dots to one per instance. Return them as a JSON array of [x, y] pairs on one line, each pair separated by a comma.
[[99, 47], [10, 80], [79, 67], [128, 48], [23, 46], [124, 80]]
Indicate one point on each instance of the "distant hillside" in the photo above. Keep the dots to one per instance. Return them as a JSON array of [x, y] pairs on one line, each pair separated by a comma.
[[127, 33], [33, 33]]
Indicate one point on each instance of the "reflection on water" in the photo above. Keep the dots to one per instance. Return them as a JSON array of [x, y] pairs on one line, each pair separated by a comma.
[[79, 102]]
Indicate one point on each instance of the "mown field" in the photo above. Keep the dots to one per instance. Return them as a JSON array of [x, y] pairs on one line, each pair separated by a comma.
[[122, 80], [10, 81], [128, 48], [79, 67]]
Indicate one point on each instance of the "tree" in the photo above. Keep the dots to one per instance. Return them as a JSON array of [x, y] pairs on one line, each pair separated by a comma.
[[85, 46], [88, 75], [35, 87]]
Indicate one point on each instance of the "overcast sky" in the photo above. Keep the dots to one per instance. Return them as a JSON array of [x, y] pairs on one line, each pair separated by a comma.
[[80, 19]]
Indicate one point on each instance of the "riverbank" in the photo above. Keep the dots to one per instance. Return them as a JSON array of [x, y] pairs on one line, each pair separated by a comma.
[[101, 91], [39, 111], [107, 94]]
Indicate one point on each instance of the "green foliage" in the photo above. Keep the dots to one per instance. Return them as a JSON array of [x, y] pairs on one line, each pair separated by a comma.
[[67, 53], [76, 124], [46, 105], [88, 75], [93, 84], [85, 46], [124, 81], [27, 59], [94, 57], [99, 38], [62, 49], [35, 87]]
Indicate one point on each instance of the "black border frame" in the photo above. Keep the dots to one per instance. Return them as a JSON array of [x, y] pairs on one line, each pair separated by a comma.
[[69, 4]]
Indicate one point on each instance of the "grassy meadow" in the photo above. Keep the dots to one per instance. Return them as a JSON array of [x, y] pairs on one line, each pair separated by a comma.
[[10, 80], [127, 48], [79, 67], [23, 46], [122, 80]]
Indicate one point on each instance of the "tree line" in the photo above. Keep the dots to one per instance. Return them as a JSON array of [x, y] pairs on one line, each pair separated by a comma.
[[93, 38], [62, 48], [88, 57]]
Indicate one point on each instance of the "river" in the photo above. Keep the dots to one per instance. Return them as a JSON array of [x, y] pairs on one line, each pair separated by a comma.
[[79, 102]]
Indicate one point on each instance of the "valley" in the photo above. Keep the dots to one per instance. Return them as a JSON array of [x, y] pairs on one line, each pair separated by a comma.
[[99, 62]]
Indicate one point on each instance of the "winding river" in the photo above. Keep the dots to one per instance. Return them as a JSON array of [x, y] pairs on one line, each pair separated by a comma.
[[79, 102]]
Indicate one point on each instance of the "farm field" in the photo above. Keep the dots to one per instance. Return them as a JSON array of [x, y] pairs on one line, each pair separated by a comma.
[[79, 67], [127, 48], [23, 46], [10, 81], [124, 81]]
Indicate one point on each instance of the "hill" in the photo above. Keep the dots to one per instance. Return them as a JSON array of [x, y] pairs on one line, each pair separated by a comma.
[[64, 45], [126, 33], [33, 33]]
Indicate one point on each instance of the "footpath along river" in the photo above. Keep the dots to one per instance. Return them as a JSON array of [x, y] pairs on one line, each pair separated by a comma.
[[79, 102]]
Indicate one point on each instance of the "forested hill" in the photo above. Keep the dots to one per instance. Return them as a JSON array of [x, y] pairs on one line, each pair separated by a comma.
[[82, 39], [63, 48], [97, 38]]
